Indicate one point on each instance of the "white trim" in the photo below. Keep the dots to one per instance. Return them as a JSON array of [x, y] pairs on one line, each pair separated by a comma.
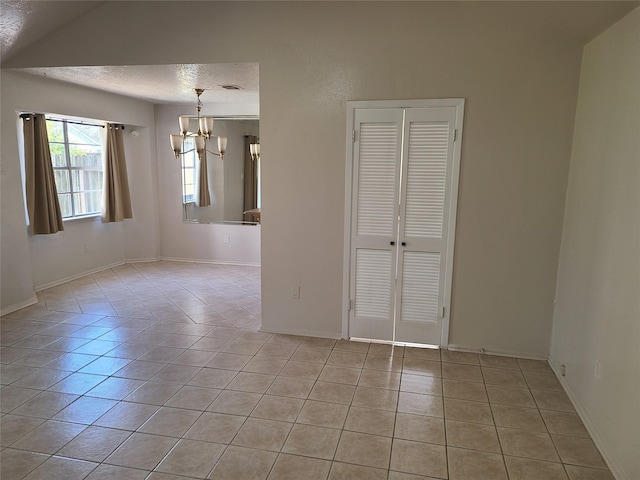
[[55, 283], [302, 332], [215, 262], [500, 353], [39, 288], [19, 306], [601, 445]]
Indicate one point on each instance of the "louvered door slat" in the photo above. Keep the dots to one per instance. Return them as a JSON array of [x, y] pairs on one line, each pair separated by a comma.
[[373, 283], [420, 287], [426, 179], [377, 179]]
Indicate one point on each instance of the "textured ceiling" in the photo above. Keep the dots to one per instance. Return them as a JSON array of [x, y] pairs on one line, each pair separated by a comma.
[[165, 83]]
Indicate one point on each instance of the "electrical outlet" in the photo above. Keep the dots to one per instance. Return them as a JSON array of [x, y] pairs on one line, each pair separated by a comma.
[[563, 370], [597, 370], [295, 292], [226, 239]]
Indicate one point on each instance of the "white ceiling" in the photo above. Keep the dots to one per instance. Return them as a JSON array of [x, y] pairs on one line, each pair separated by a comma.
[[165, 83]]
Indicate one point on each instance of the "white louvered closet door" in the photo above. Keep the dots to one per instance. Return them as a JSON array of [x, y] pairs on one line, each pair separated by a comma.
[[425, 184], [404, 186], [375, 222]]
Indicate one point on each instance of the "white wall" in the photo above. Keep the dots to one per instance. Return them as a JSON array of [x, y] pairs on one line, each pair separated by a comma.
[[520, 84], [597, 315], [188, 241], [37, 261]]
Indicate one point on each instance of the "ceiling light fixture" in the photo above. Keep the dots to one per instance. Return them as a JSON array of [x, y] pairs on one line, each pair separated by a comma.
[[205, 132]]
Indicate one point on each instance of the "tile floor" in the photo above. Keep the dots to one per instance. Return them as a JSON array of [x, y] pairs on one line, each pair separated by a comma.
[[158, 371]]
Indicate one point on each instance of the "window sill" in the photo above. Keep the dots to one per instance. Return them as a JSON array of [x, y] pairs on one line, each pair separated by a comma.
[[83, 219]]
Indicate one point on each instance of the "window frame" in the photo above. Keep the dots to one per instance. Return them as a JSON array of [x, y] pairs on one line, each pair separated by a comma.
[[70, 169]]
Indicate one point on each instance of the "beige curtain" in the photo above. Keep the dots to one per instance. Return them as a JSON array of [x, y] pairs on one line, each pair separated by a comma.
[[116, 199], [42, 197], [250, 179], [203, 197]]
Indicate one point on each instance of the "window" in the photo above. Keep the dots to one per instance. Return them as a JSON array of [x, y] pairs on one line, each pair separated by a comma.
[[76, 155], [188, 172]]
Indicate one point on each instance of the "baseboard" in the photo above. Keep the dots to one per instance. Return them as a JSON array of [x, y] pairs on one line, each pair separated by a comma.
[[39, 288], [605, 451], [214, 262], [501, 353], [303, 333], [19, 306]]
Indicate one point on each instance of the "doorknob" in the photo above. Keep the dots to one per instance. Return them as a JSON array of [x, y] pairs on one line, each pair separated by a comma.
[[404, 244], [392, 243]]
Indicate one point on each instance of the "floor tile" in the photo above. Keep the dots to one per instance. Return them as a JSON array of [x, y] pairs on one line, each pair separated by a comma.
[[215, 427], [564, 423], [380, 379], [113, 472], [332, 392], [364, 449], [510, 396], [127, 416], [191, 458], [17, 463], [263, 434], [415, 403], [345, 471], [583, 473], [465, 390], [312, 441], [578, 451], [48, 437], [61, 468], [94, 444], [520, 443], [419, 458], [338, 374], [369, 420], [193, 398], [425, 385], [293, 467], [14, 427], [142, 451], [526, 469], [272, 407], [472, 436], [470, 464], [323, 414], [419, 428], [243, 463], [467, 411], [85, 410], [376, 398], [169, 421], [521, 418]]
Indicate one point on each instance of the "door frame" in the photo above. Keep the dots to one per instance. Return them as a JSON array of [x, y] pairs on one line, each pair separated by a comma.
[[352, 106]]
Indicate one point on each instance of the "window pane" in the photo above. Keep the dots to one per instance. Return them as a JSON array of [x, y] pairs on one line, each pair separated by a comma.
[[65, 205], [86, 156], [86, 180], [62, 181], [58, 155], [84, 134], [54, 131], [87, 202]]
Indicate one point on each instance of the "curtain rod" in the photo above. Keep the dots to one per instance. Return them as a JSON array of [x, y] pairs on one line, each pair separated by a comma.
[[24, 115]]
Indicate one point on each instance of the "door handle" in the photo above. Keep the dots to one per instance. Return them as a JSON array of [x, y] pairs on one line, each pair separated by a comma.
[[404, 244], [392, 243]]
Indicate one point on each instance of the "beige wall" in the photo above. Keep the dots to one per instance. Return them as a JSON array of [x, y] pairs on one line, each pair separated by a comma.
[[520, 84], [597, 317]]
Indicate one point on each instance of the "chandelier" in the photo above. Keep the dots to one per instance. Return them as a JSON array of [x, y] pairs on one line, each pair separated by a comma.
[[205, 132]]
